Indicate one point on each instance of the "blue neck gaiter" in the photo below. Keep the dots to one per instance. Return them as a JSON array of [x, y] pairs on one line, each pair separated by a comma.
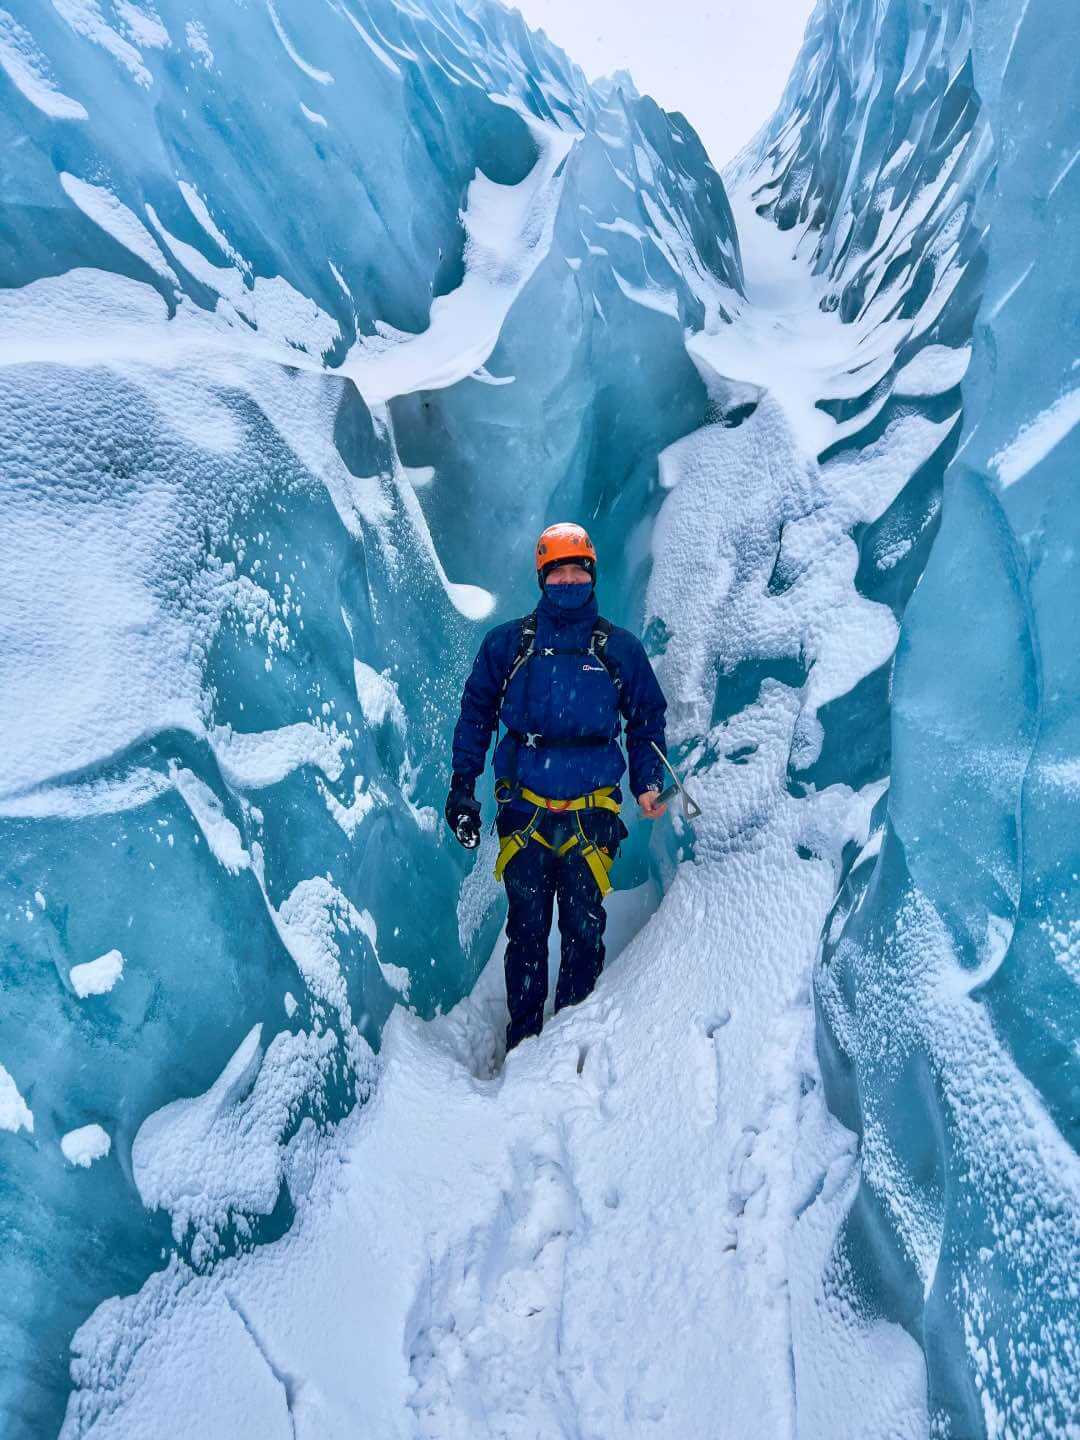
[[569, 597]]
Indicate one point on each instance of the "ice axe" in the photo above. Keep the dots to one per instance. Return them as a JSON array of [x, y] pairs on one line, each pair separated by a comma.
[[691, 809]]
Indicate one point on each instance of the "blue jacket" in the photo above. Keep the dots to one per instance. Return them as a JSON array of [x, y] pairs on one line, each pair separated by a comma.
[[562, 692]]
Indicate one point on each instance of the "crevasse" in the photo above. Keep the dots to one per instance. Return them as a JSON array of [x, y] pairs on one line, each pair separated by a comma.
[[313, 314]]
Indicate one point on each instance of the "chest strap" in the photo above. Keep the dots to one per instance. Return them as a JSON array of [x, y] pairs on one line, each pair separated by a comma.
[[534, 740]]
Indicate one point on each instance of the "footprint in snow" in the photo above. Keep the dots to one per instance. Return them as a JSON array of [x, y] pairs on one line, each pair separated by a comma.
[[593, 1067], [705, 1067], [488, 1336], [745, 1176]]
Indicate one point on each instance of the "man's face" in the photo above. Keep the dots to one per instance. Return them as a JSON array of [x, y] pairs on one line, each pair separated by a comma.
[[568, 575]]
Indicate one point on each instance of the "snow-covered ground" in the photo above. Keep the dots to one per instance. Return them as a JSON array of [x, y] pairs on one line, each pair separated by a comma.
[[623, 1230]]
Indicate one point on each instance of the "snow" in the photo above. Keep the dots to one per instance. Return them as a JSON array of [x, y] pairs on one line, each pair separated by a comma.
[[1063, 172], [93, 797], [87, 21], [197, 205], [397, 977], [653, 297], [508, 230], [1031, 1158], [106, 628], [228, 282], [28, 71], [83, 1146], [220, 1154], [377, 50], [806, 354], [143, 24], [199, 42], [309, 922], [104, 209], [97, 977], [222, 836], [1065, 773], [15, 1114], [115, 704], [364, 801], [252, 761], [934, 370], [321, 77], [570, 1224], [378, 696], [240, 1391], [1035, 439], [102, 629]]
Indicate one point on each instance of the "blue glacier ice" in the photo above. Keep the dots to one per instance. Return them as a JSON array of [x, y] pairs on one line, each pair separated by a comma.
[[312, 314], [948, 986]]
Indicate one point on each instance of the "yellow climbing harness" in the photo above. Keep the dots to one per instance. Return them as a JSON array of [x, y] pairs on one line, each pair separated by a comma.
[[597, 859]]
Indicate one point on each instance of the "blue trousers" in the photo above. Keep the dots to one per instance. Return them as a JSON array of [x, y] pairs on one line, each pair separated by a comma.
[[533, 879]]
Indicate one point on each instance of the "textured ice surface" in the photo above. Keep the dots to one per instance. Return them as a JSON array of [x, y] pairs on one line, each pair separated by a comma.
[[294, 369], [949, 1011], [218, 1155]]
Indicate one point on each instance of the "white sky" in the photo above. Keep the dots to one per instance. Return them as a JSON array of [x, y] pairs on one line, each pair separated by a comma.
[[723, 63]]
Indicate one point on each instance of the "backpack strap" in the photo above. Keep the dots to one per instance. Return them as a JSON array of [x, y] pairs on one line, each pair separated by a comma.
[[525, 651], [598, 650]]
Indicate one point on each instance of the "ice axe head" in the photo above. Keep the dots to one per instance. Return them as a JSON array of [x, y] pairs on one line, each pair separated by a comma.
[[691, 809]]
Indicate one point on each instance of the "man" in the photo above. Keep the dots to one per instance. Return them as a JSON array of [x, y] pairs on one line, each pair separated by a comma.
[[562, 681]]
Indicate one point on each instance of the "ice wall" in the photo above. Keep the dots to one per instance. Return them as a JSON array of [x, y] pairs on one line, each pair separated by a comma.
[[947, 993], [313, 314]]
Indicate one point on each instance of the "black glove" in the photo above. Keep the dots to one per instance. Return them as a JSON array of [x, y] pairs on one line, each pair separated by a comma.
[[463, 813]]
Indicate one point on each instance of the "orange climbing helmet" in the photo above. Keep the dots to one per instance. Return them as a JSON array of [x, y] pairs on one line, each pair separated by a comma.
[[564, 544]]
